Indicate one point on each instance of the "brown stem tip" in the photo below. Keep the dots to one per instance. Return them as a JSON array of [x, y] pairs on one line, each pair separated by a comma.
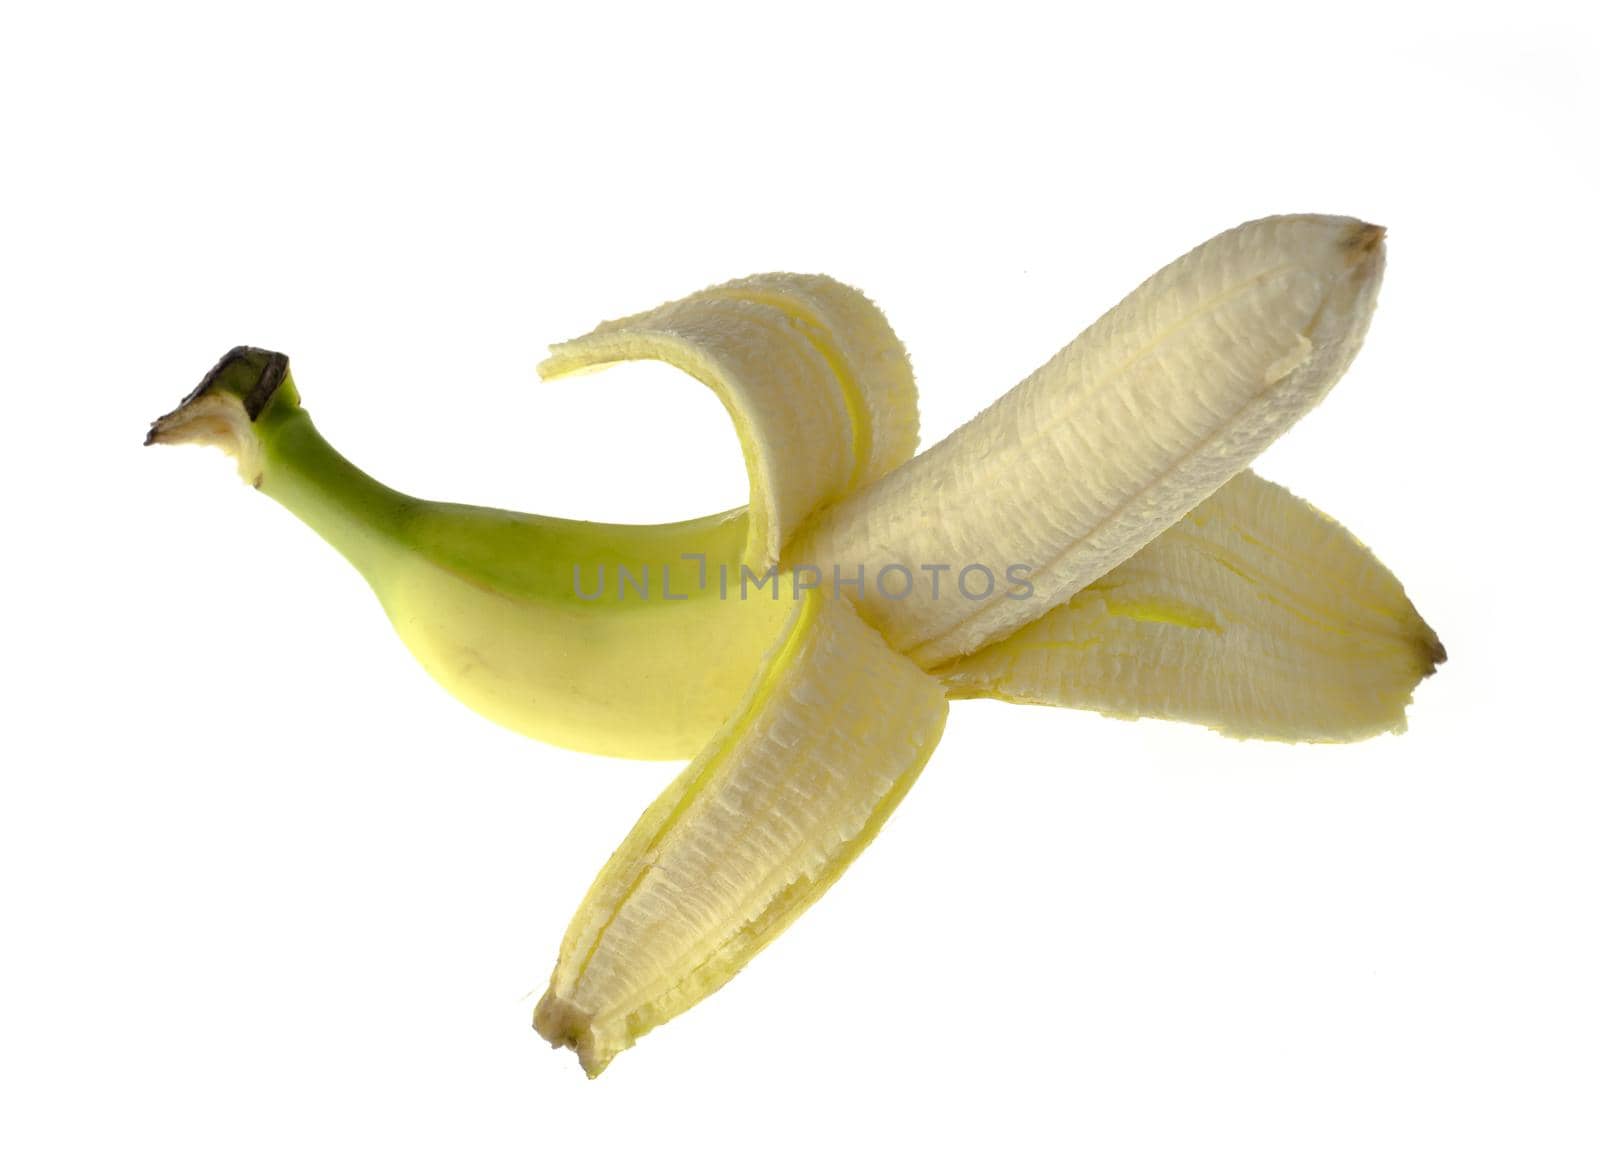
[[1363, 240], [249, 374]]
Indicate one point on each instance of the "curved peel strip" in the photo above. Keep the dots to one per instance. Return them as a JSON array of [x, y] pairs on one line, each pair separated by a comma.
[[818, 386], [1115, 438], [868, 360], [1256, 615], [833, 732]]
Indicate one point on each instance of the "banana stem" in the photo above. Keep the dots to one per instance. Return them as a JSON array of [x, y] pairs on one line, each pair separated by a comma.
[[356, 514], [248, 407]]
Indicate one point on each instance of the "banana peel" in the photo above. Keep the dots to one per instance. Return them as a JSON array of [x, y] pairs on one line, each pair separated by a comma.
[[1101, 542], [833, 732], [1257, 616]]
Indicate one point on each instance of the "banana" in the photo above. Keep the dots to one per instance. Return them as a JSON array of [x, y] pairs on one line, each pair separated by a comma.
[[1149, 411], [756, 637]]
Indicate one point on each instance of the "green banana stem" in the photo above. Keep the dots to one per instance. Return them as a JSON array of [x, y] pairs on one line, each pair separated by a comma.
[[357, 515], [249, 407]]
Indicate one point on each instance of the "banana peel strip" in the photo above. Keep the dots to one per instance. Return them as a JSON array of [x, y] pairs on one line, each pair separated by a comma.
[[1256, 615], [819, 388], [834, 730]]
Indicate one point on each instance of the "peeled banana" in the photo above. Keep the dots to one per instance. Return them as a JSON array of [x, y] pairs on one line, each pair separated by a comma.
[[1125, 572]]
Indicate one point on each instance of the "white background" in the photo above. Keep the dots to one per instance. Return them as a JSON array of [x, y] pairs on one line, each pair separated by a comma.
[[264, 887]]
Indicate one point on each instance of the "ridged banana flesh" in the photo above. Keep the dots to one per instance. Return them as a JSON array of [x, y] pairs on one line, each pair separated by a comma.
[[832, 734], [1256, 615], [1115, 438]]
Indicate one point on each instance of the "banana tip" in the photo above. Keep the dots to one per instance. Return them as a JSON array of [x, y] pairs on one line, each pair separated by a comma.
[[1363, 240], [1436, 653], [561, 1024]]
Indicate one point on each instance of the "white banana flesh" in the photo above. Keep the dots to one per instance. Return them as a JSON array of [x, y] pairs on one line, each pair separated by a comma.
[[1115, 438], [1256, 615], [833, 732]]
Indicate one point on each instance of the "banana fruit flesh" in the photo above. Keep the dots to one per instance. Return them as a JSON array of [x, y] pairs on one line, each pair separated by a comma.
[[1157, 586], [1149, 411]]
